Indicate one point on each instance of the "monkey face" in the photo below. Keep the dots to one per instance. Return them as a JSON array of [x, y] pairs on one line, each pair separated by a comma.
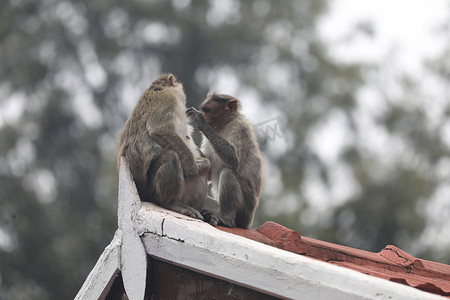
[[216, 114]]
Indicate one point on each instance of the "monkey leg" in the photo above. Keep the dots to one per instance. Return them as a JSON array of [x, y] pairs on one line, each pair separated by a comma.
[[231, 198], [167, 179], [169, 184]]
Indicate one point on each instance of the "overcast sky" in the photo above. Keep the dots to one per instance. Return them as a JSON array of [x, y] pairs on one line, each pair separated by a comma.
[[409, 27]]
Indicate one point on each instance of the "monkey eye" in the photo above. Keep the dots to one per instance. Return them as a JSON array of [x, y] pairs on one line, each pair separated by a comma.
[[206, 110]]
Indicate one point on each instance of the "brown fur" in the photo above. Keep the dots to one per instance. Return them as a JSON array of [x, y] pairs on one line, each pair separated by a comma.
[[166, 165]]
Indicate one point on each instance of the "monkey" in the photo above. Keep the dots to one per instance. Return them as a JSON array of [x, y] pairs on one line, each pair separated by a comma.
[[236, 161], [166, 165]]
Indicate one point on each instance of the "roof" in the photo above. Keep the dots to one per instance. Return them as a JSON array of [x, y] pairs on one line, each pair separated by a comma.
[[273, 260], [390, 263]]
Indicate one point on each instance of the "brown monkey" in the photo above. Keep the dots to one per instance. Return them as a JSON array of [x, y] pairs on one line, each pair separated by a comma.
[[165, 163], [236, 162]]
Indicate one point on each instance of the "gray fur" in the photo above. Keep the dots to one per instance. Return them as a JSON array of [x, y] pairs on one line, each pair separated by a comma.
[[236, 169]]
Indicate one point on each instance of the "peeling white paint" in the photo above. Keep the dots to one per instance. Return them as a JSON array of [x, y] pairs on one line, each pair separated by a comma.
[[133, 255]]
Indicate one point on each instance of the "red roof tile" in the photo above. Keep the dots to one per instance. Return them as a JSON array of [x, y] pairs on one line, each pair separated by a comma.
[[391, 263]]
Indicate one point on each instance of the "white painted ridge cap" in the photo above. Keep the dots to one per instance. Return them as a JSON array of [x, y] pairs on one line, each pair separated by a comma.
[[196, 245]]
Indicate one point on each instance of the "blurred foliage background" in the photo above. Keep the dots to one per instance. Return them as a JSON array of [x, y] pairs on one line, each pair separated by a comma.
[[366, 162]]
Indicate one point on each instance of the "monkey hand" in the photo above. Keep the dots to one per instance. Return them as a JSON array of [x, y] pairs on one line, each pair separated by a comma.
[[203, 165], [191, 112], [198, 118]]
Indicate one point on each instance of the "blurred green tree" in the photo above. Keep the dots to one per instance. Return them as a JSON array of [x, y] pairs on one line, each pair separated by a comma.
[[71, 72]]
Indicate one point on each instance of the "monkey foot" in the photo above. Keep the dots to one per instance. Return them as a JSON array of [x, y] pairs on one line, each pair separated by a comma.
[[193, 214], [185, 210], [209, 217]]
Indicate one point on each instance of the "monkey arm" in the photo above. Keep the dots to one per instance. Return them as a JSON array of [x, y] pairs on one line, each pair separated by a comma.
[[173, 141], [162, 131], [225, 150]]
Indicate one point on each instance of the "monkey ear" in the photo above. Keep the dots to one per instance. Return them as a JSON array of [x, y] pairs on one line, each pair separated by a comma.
[[171, 80], [232, 106]]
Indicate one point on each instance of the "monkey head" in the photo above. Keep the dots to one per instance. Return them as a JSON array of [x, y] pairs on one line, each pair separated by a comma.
[[165, 80], [219, 109], [169, 81]]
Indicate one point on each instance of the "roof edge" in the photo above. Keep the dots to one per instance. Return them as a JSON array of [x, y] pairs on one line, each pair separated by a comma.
[[195, 245]]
